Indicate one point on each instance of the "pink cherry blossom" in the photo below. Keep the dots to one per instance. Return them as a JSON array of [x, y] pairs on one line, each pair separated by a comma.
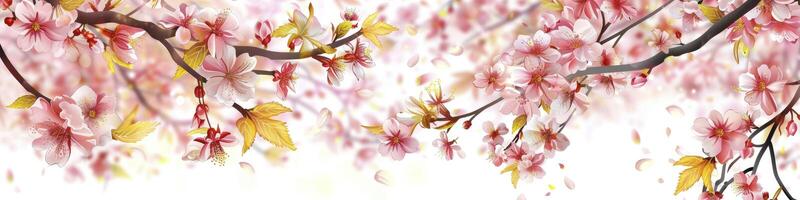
[[689, 14], [99, 112], [531, 166], [285, 78], [747, 151], [230, 79], [397, 141], [745, 29], [546, 134], [121, 40], [619, 10], [212, 143], [785, 31], [494, 135], [662, 40], [569, 99], [516, 103], [264, 32], [578, 8], [492, 78], [537, 81], [182, 20], [497, 156], [60, 125], [768, 10], [721, 137], [37, 27], [216, 29], [580, 41], [448, 147], [534, 50], [710, 196], [747, 186], [761, 85], [610, 81], [516, 152], [359, 57]]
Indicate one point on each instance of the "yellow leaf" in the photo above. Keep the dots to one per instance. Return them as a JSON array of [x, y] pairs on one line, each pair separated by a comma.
[[553, 5], [736, 46], [193, 57], [371, 29], [518, 123], [376, 129], [197, 131], [130, 132], [514, 173], [23, 102], [712, 13], [342, 29], [70, 5], [447, 125], [248, 129], [284, 30], [699, 167], [118, 172], [325, 48], [545, 107], [112, 60], [274, 131]]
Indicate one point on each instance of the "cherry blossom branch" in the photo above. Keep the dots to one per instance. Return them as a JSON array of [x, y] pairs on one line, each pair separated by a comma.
[[503, 22], [622, 32], [264, 72], [775, 172], [20, 79], [274, 55], [473, 114], [694, 45]]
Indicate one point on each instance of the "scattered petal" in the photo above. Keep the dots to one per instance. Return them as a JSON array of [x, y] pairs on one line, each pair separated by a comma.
[[569, 183], [380, 177], [413, 60], [643, 164], [675, 111]]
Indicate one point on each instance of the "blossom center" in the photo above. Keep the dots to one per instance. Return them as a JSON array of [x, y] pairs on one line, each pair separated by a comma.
[[762, 86], [36, 26], [92, 114], [719, 132]]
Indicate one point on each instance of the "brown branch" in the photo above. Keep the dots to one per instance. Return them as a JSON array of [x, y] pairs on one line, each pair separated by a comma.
[[264, 72], [634, 24], [657, 59], [274, 55], [20, 79]]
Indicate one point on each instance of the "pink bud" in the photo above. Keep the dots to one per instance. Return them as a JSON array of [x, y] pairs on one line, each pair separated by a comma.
[[791, 128], [638, 80]]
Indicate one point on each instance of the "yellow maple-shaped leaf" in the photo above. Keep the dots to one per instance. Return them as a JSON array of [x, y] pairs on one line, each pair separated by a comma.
[[518, 123], [70, 5], [112, 60], [193, 57], [259, 120], [514, 173], [130, 131], [248, 129], [713, 14], [342, 29], [284, 30], [375, 129], [372, 29], [23, 102], [699, 168]]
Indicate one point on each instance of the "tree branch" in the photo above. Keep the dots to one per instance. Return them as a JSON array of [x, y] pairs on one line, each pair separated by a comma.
[[19, 77], [634, 24], [657, 59]]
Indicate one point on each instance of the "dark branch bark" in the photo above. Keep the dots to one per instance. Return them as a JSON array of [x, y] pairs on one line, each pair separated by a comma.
[[657, 59], [274, 55], [634, 24], [19, 77]]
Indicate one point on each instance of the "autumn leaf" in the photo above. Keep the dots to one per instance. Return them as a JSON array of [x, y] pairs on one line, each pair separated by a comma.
[[299, 28], [518, 123], [712, 13], [130, 131], [372, 29], [70, 5], [112, 61], [514, 173], [23, 102], [193, 57], [196, 131], [376, 129], [259, 120], [553, 5], [699, 167]]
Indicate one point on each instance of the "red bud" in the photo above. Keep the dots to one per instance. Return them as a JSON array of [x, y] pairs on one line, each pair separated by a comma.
[[467, 124], [199, 92], [9, 21]]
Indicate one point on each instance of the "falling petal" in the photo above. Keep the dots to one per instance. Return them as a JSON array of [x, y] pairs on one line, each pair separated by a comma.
[[675, 111], [424, 79], [456, 50], [547, 194], [643, 164], [669, 131], [411, 30], [364, 93], [247, 167], [440, 62], [635, 137], [413, 60], [380, 177], [521, 197], [561, 165], [660, 180], [324, 115], [569, 183], [551, 187], [9, 176]]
